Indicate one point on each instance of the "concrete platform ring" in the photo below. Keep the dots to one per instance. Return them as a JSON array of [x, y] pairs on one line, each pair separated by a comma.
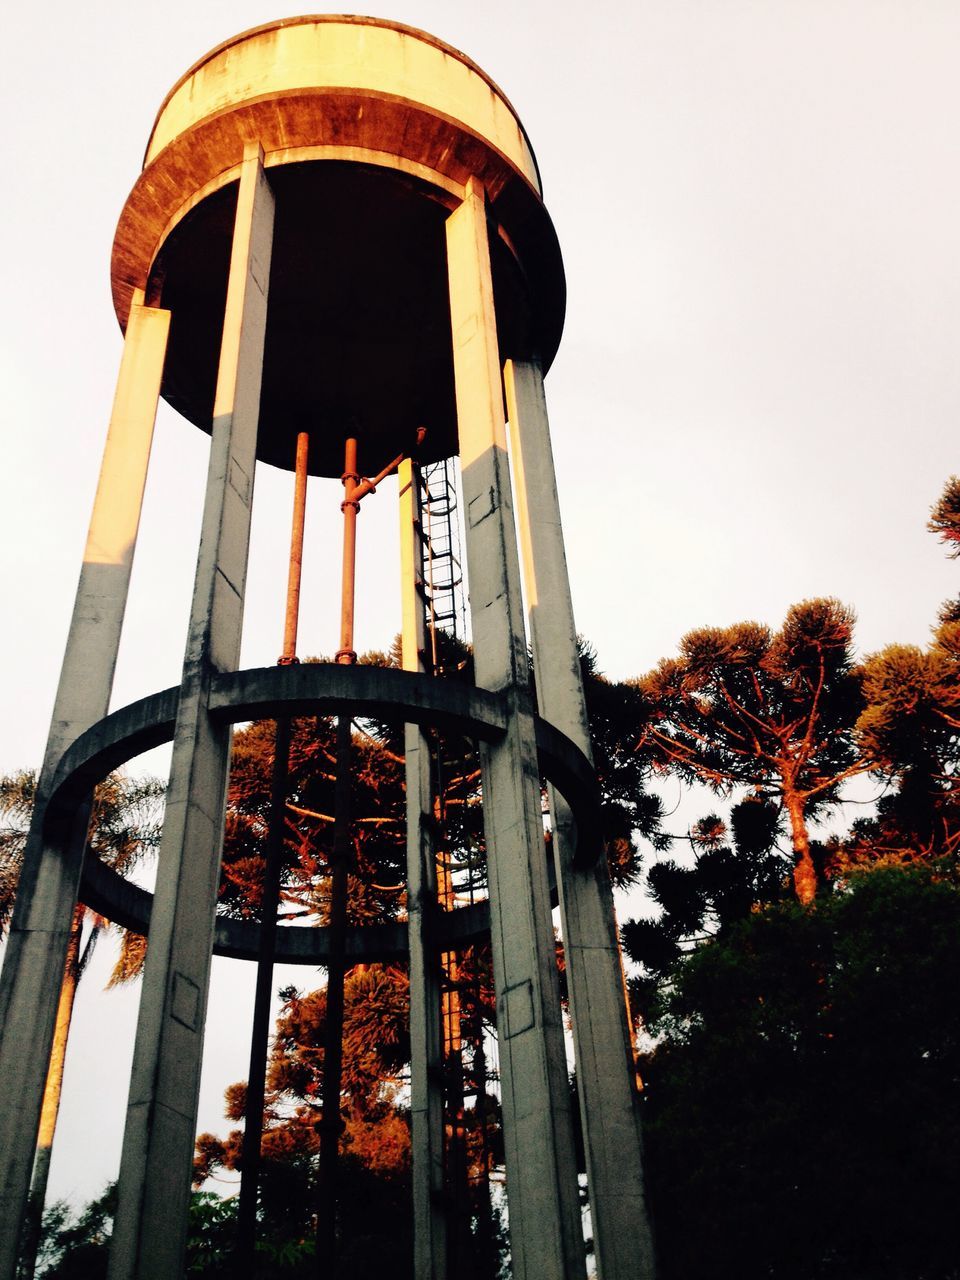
[[265, 693]]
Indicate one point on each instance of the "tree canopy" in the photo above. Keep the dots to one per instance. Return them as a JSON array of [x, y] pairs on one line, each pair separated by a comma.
[[802, 1106], [735, 866], [945, 517], [742, 706]]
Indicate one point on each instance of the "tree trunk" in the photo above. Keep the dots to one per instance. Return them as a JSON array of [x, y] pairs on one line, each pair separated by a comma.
[[30, 1238], [804, 872]]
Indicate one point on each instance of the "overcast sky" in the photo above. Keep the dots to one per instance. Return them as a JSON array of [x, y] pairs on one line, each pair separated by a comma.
[[755, 400]]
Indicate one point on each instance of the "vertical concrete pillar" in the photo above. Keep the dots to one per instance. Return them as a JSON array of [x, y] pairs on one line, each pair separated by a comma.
[[150, 1228], [36, 950], [545, 1233], [426, 1049], [606, 1071]]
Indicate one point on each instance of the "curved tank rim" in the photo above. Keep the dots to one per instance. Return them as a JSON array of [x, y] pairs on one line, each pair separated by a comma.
[[348, 19]]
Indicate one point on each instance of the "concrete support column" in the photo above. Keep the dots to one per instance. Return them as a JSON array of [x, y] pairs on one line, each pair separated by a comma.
[[606, 1070], [150, 1228], [426, 1047], [545, 1233], [40, 930]]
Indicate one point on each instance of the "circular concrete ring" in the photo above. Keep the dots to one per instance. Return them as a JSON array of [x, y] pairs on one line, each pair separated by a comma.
[[311, 689]]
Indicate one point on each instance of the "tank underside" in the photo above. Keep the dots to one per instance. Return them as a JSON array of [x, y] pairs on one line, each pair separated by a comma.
[[358, 335]]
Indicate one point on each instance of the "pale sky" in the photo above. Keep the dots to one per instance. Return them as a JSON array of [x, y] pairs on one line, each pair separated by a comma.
[[758, 206]]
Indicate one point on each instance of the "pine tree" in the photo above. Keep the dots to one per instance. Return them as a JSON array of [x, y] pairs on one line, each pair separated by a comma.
[[743, 707], [734, 870], [910, 729], [945, 517]]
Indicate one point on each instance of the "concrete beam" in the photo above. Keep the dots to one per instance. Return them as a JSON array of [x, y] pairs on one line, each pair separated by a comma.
[[36, 949], [606, 1071], [545, 1233], [155, 1168]]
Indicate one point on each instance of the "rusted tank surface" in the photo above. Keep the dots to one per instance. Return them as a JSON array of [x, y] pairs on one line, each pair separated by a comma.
[[370, 132]]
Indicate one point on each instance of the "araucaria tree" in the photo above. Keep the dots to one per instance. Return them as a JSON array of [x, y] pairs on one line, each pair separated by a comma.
[[736, 868], [910, 728], [945, 517], [773, 712]]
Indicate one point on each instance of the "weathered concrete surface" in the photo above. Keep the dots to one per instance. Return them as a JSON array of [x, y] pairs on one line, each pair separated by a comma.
[[154, 1186], [339, 88], [36, 950], [387, 59], [127, 904], [406, 121], [426, 1035], [606, 1072], [309, 689], [323, 687], [545, 1235]]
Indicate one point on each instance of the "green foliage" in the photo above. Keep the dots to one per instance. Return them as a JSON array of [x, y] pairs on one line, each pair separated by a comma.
[[74, 1246], [724, 884], [212, 1229], [802, 1109], [629, 811]]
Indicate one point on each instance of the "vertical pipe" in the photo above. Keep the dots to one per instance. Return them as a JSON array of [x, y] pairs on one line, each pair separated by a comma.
[[40, 930], [350, 508], [273, 871], [296, 550]]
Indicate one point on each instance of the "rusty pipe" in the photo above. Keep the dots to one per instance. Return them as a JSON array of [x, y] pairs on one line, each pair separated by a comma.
[[350, 507], [295, 571], [355, 488]]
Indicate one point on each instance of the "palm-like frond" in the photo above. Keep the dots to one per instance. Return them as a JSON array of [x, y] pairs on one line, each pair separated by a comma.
[[17, 791], [132, 957], [126, 821]]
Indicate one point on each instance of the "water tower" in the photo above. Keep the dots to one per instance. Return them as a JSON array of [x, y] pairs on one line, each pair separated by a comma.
[[339, 233]]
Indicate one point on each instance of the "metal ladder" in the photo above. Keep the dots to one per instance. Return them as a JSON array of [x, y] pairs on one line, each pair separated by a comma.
[[444, 596]]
